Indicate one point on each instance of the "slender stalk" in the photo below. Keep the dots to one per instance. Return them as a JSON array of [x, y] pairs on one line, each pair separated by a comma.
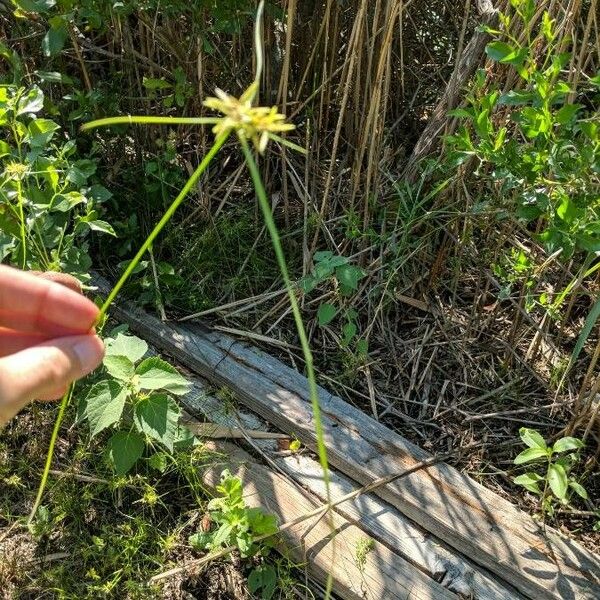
[[145, 120], [308, 358], [258, 49], [22, 225], [191, 182], [61, 413]]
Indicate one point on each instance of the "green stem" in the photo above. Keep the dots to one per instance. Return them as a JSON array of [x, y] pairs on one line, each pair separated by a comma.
[[22, 225], [308, 358], [59, 419], [191, 182], [130, 268], [149, 121]]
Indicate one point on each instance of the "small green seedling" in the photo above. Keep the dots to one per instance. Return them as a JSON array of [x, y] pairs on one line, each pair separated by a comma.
[[328, 265], [295, 445], [135, 397], [556, 465], [238, 525], [363, 547]]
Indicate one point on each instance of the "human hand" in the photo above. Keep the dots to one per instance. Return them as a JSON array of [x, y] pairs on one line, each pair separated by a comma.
[[46, 338]]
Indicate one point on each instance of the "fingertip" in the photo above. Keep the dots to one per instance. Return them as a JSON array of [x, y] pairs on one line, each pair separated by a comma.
[[90, 352], [82, 314], [64, 279]]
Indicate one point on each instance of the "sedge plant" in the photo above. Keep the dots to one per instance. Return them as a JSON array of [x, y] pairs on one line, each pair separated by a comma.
[[253, 125]]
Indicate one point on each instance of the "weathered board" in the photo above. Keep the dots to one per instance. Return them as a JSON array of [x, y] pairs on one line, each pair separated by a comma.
[[375, 517], [452, 506], [313, 543]]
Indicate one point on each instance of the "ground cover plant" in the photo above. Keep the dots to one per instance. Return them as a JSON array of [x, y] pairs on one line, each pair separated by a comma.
[[456, 303]]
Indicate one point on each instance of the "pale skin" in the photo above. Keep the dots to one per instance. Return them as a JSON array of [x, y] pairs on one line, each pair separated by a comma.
[[47, 338]]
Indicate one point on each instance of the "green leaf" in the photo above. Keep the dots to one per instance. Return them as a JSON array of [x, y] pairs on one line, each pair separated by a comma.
[[567, 113], [34, 6], [156, 84], [557, 479], [516, 98], [530, 454], [201, 541], [156, 374], [578, 489], [566, 210], [532, 438], [231, 488], [222, 535], [326, 313], [56, 36], [243, 541], [31, 102], [125, 448], [103, 405], [547, 26], [260, 522], [348, 277], [263, 578], [54, 77], [119, 367], [9, 224], [79, 171], [567, 443], [499, 50], [69, 200], [308, 284], [130, 346], [98, 193], [590, 321], [158, 416], [158, 461], [362, 347], [41, 131], [349, 331], [529, 481], [184, 439], [102, 226], [462, 113]]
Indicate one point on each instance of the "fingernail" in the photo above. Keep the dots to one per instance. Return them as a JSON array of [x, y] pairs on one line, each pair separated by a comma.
[[89, 352]]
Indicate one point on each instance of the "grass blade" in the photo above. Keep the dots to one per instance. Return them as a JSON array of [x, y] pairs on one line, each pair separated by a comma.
[[147, 120]]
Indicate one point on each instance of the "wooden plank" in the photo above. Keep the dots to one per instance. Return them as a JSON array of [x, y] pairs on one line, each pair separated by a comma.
[[377, 518], [384, 574], [452, 506]]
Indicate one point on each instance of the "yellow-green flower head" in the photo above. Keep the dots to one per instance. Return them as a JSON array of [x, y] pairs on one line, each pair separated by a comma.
[[255, 123], [15, 170]]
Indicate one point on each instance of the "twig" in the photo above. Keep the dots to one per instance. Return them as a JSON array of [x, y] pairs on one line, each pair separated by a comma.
[[253, 300], [255, 336], [79, 477]]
